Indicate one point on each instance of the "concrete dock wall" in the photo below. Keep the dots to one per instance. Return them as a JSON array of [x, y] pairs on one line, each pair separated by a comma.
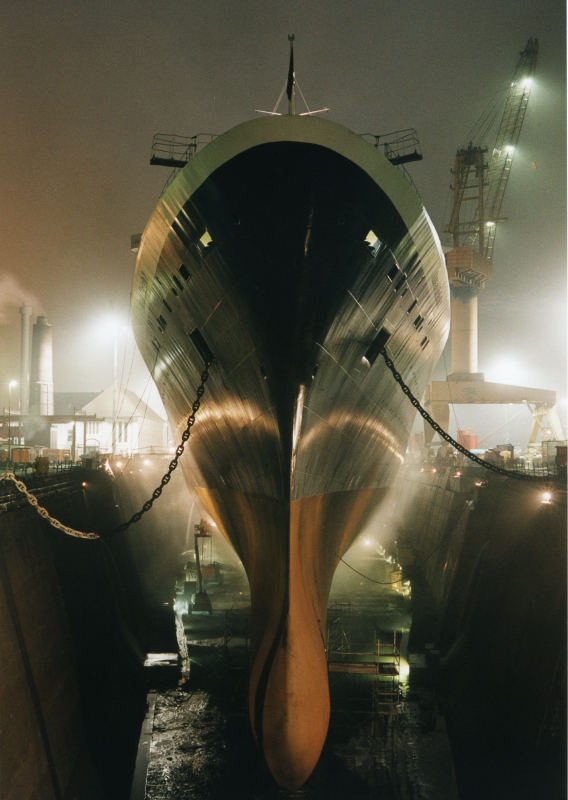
[[70, 694], [489, 587]]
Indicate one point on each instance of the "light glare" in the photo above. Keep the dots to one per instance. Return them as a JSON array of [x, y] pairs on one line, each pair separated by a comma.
[[507, 370]]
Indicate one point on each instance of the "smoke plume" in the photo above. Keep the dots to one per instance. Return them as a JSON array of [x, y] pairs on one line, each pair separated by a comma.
[[12, 296]]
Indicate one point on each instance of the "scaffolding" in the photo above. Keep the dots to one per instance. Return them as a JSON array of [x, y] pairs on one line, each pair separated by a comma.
[[379, 658]]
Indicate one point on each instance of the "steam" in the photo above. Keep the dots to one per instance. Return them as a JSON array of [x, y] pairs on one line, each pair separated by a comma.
[[12, 296]]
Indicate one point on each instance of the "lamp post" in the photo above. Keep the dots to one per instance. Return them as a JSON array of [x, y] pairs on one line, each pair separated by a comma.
[[11, 384], [111, 328], [114, 387]]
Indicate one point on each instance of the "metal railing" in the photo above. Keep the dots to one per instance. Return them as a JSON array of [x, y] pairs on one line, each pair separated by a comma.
[[399, 147], [171, 150], [29, 468]]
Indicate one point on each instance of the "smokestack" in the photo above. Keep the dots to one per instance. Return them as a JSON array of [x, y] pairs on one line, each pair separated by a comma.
[[26, 314], [41, 383]]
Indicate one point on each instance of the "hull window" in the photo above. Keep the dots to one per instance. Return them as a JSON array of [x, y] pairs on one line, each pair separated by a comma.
[[201, 345], [392, 273], [182, 234], [399, 284]]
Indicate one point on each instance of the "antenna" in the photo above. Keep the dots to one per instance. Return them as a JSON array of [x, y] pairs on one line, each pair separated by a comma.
[[290, 86], [290, 89]]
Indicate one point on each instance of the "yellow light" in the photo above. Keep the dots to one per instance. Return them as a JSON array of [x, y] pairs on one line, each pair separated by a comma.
[[206, 239], [83, 484], [373, 241], [434, 469], [490, 224], [119, 464], [12, 384], [526, 83], [546, 498]]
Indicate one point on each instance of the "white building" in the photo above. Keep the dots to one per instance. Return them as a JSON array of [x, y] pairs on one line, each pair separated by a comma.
[[136, 429]]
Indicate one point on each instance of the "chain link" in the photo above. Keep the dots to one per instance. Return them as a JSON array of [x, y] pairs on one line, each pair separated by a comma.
[[43, 512], [174, 462], [434, 425]]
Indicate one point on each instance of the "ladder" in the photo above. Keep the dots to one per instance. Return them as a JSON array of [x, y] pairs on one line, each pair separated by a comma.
[[386, 688]]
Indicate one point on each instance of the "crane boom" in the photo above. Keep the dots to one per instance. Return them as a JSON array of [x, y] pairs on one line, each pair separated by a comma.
[[479, 186], [507, 138]]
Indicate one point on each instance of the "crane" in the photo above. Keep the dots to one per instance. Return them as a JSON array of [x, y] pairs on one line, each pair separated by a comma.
[[478, 190], [479, 184]]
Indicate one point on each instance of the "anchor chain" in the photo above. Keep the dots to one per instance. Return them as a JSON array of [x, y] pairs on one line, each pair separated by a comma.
[[174, 462], [43, 512], [439, 430]]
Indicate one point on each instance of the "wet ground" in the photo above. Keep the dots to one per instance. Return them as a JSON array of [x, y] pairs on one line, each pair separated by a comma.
[[198, 741]]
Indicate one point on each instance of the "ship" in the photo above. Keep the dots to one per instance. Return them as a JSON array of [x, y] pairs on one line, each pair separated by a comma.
[[285, 258]]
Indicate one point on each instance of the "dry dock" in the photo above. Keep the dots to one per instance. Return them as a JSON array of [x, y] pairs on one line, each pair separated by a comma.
[[480, 713]]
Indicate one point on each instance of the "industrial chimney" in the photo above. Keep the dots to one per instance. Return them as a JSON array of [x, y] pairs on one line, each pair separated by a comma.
[[41, 382], [26, 314]]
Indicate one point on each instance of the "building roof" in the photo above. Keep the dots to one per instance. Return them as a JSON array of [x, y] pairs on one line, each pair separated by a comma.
[[129, 405], [71, 402]]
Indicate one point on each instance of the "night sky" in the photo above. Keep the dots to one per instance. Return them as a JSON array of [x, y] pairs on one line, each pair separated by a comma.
[[86, 84]]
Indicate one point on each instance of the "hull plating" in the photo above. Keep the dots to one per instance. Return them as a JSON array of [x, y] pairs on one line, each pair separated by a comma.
[[285, 249]]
